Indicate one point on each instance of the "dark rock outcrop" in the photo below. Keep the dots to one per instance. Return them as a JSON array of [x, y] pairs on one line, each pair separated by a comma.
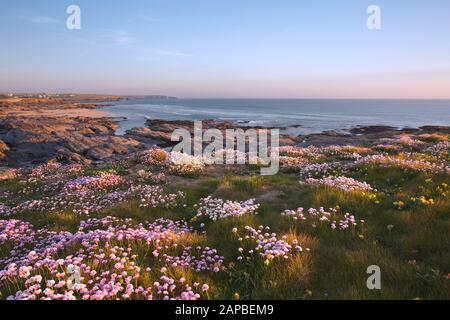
[[33, 140], [160, 131]]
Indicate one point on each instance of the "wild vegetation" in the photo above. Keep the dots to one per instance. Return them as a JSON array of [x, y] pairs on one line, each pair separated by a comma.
[[146, 228]]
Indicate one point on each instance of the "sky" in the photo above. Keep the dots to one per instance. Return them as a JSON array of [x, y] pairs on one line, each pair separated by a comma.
[[228, 48]]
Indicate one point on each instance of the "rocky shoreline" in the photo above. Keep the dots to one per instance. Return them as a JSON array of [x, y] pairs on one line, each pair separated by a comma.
[[35, 131]]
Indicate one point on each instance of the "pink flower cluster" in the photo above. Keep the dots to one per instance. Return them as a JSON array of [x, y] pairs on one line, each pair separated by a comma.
[[417, 165], [310, 152], [403, 140], [299, 214], [5, 211], [291, 164], [84, 201], [342, 183], [314, 170], [167, 287], [197, 259], [184, 164], [152, 157], [92, 184], [387, 147], [53, 170], [158, 178], [315, 153], [236, 155], [267, 245], [154, 196], [102, 265], [322, 215], [215, 209], [345, 223], [440, 148], [13, 230]]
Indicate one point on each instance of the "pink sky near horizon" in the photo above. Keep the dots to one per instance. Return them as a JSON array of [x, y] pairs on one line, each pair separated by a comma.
[[416, 85]]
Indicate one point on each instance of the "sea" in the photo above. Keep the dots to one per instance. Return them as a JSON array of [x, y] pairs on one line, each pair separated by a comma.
[[299, 116]]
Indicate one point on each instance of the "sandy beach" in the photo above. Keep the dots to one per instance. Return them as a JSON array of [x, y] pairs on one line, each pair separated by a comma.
[[71, 113]]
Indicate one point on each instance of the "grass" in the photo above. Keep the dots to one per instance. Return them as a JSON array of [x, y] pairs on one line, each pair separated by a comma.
[[413, 255], [410, 244], [11, 185]]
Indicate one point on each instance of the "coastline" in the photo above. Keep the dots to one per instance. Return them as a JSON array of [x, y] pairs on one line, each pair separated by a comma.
[[299, 116], [78, 131], [381, 185]]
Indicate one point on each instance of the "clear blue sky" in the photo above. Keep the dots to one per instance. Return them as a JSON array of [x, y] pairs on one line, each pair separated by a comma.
[[228, 48]]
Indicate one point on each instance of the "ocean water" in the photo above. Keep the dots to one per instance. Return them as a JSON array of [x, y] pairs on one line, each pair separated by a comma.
[[311, 116]]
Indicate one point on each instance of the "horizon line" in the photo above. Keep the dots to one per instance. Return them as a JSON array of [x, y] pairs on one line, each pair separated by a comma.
[[214, 97]]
